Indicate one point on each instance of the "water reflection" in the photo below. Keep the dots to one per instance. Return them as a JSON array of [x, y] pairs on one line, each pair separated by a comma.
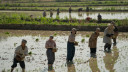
[[81, 15], [110, 59], [38, 61], [52, 70], [71, 68], [93, 65]]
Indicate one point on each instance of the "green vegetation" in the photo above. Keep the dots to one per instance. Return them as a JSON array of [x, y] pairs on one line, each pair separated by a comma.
[[92, 8], [65, 4], [30, 53], [87, 35], [6, 32], [37, 40], [83, 40], [24, 19], [55, 34]]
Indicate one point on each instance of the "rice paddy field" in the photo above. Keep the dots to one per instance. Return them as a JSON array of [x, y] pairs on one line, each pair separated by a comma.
[[116, 61], [77, 18], [74, 15], [31, 12]]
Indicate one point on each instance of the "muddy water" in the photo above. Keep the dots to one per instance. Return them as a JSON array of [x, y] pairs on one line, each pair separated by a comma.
[[76, 15], [105, 62]]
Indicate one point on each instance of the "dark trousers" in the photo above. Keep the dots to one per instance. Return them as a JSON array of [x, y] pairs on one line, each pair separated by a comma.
[[107, 46], [70, 51], [93, 50], [114, 40], [50, 56], [22, 63]]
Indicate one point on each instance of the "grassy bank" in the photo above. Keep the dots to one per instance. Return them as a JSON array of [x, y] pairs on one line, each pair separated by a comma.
[[24, 19], [63, 8]]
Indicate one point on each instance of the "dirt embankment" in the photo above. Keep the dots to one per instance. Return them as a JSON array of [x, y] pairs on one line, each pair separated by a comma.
[[56, 27]]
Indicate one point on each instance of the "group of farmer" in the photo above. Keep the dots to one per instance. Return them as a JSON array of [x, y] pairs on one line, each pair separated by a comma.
[[99, 17], [111, 32]]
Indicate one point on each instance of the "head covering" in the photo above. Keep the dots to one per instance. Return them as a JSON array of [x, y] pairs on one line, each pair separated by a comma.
[[24, 41], [74, 29], [110, 26], [98, 29], [113, 22]]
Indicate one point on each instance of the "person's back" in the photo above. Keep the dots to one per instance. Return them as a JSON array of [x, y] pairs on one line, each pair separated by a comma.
[[99, 18], [58, 11], [70, 10], [44, 14]]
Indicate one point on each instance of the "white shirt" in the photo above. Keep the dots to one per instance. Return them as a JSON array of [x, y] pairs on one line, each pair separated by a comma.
[[21, 51]]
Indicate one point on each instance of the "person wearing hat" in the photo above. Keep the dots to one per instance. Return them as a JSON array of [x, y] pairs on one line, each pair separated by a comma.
[[71, 45], [108, 33], [93, 42], [115, 32], [20, 53], [49, 45]]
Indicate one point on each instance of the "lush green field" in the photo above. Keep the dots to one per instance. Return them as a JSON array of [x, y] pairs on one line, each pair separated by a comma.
[[92, 8], [24, 19], [64, 4]]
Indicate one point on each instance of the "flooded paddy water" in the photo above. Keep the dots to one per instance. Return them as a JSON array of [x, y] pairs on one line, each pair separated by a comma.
[[116, 61], [76, 15]]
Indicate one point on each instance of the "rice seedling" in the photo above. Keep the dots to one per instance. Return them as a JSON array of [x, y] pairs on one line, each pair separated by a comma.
[[24, 19], [87, 35], [3, 70], [37, 40], [55, 34], [7, 33], [30, 53], [83, 40]]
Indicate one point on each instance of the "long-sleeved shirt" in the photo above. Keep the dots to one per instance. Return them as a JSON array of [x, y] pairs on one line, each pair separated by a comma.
[[71, 38], [93, 40], [50, 44], [107, 39], [19, 50]]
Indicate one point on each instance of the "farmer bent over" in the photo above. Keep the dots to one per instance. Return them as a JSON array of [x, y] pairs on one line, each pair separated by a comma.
[[115, 32], [20, 53], [108, 33], [93, 42]]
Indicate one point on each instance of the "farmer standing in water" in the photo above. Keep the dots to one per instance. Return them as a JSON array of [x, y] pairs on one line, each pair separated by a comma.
[[71, 46], [50, 45]]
